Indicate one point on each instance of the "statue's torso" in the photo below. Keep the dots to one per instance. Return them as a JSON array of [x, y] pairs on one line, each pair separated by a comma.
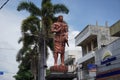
[[59, 36]]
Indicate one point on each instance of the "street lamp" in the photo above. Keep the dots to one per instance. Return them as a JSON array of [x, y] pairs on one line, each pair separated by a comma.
[[79, 72], [42, 53]]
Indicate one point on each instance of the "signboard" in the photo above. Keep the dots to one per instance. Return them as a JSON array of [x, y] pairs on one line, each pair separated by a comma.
[[106, 54], [1, 72], [107, 58], [92, 70], [92, 67]]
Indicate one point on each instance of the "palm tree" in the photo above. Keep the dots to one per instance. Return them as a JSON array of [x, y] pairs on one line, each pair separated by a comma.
[[46, 13], [30, 27], [24, 72]]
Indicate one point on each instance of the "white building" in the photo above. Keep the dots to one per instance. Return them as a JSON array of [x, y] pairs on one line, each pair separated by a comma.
[[108, 57], [71, 57], [91, 38]]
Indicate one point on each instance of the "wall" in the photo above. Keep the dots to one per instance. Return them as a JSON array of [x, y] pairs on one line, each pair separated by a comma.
[[114, 50]]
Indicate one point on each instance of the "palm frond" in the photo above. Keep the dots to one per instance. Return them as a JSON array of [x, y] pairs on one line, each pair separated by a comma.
[[28, 40], [47, 9], [20, 54], [60, 8], [50, 44], [30, 7], [45, 1], [31, 24], [20, 40]]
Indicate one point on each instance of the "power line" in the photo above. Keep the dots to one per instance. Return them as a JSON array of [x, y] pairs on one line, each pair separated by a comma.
[[4, 4], [7, 49], [7, 72], [9, 63]]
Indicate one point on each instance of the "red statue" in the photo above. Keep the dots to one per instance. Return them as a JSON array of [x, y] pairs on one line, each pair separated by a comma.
[[60, 29]]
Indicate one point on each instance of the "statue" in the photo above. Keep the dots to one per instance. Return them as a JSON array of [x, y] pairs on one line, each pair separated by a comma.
[[60, 29]]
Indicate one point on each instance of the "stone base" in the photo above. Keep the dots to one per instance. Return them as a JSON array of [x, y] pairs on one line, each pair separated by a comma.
[[59, 68], [60, 76]]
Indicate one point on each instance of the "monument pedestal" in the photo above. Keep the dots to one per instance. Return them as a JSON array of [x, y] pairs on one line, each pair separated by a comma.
[[59, 68], [60, 76], [60, 73]]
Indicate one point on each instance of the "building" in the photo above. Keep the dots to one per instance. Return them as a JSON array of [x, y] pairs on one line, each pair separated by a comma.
[[108, 57], [91, 39], [71, 57], [115, 29]]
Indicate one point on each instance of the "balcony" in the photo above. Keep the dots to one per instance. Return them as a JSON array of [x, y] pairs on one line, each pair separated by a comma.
[[115, 29], [71, 56], [88, 33], [86, 57], [72, 68], [86, 75], [70, 60]]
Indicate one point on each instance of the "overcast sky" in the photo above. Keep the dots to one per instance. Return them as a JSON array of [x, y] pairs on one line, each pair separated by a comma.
[[82, 13]]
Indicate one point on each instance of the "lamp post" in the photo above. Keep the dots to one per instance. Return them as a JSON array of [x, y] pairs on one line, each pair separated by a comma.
[[79, 73], [42, 53]]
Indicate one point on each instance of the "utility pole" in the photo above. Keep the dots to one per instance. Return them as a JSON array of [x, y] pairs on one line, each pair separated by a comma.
[[42, 54]]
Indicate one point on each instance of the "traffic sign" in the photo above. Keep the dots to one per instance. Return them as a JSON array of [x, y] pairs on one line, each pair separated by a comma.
[[1, 72]]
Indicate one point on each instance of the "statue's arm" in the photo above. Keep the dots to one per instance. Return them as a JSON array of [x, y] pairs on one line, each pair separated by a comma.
[[55, 28], [66, 35]]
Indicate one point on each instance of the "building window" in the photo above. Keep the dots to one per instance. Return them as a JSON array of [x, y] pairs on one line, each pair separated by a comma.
[[84, 50], [89, 47], [95, 44]]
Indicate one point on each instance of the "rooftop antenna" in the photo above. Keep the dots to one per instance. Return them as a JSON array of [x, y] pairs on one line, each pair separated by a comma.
[[106, 24], [96, 23]]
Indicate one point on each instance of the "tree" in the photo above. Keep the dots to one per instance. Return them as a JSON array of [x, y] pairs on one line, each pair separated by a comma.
[[24, 72], [30, 29], [28, 54]]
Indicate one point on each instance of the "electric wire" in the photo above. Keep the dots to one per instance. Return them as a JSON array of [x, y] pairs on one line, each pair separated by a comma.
[[4, 4]]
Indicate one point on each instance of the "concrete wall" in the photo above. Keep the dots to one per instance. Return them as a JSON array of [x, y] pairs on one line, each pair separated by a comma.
[[114, 50], [102, 33], [115, 29]]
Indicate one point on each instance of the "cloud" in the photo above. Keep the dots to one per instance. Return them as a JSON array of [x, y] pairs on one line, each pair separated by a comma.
[[50, 60], [10, 27], [8, 62], [71, 37], [7, 76], [9, 34]]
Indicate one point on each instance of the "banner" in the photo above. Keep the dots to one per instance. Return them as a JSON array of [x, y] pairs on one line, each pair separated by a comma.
[[1, 72], [92, 67]]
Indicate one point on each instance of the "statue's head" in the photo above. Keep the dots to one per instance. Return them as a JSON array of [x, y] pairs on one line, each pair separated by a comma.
[[60, 18]]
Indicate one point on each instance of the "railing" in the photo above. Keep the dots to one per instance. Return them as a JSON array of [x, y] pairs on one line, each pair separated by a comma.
[[86, 57], [69, 57], [72, 68], [85, 75], [89, 53]]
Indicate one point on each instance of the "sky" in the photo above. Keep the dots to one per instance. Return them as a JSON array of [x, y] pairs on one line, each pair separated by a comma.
[[82, 13]]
